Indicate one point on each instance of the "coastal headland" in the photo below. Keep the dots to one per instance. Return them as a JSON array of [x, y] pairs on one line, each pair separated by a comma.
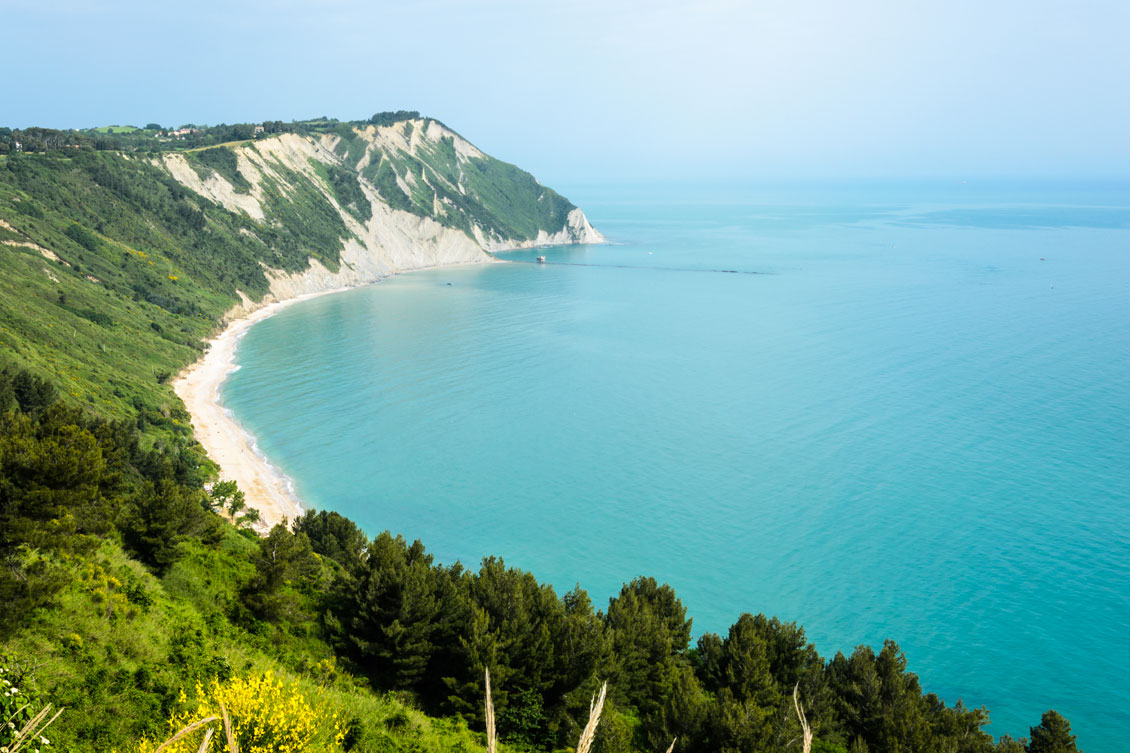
[[132, 256], [145, 252], [384, 238]]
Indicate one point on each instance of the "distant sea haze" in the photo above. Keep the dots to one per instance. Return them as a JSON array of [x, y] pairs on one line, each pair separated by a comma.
[[913, 422]]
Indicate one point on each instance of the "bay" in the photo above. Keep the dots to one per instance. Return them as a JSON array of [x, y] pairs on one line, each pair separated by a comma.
[[878, 410]]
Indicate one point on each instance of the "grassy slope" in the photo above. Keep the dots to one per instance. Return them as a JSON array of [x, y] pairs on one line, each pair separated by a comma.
[[145, 270], [107, 653]]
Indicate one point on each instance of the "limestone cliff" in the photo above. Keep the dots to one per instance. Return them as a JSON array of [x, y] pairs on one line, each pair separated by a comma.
[[410, 195]]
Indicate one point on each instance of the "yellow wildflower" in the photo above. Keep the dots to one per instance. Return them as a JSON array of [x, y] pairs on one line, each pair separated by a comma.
[[267, 714]]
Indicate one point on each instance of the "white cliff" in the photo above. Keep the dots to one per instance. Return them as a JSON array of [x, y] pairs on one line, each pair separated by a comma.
[[393, 240]]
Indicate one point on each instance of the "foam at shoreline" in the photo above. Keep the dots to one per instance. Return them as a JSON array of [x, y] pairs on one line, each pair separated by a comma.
[[267, 489]]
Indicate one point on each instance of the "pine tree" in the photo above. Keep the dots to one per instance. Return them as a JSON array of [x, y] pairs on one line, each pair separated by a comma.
[[1053, 735]]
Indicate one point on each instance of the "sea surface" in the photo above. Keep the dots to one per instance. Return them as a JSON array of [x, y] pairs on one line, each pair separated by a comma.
[[878, 410]]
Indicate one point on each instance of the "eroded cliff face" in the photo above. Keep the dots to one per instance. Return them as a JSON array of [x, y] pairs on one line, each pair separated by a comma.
[[419, 196]]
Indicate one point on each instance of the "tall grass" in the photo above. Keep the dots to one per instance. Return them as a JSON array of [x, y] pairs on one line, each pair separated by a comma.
[[492, 740], [805, 729], [32, 732], [186, 732], [588, 734]]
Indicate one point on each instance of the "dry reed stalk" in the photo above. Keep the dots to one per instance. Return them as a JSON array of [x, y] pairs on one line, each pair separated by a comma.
[[492, 740], [13, 716], [207, 739], [803, 719], [232, 747], [671, 747], [588, 734], [34, 728], [185, 732]]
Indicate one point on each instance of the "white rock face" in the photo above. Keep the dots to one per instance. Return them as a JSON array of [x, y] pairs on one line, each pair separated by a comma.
[[576, 230], [215, 187], [391, 241]]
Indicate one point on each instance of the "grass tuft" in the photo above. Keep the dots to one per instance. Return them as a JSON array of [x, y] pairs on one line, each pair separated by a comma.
[[32, 730], [492, 739], [185, 732], [588, 734], [807, 731]]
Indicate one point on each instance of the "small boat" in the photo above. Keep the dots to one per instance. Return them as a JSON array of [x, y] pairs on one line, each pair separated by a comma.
[[541, 260]]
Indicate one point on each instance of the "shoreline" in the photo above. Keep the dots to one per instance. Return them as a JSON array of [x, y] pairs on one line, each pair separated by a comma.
[[232, 447]]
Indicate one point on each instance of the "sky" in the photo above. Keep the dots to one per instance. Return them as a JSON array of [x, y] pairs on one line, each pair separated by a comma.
[[615, 91]]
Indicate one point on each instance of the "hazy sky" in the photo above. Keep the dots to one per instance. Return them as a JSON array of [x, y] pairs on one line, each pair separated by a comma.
[[614, 90]]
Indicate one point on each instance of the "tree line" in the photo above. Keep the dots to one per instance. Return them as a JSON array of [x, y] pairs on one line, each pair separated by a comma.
[[154, 137]]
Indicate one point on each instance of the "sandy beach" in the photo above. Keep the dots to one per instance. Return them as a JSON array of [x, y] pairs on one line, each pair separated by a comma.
[[226, 442], [230, 445]]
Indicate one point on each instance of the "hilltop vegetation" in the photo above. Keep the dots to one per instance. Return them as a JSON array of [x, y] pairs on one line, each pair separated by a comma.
[[138, 600], [156, 138], [497, 196], [114, 270]]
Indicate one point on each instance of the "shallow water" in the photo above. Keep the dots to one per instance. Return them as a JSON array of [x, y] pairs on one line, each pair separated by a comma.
[[913, 421]]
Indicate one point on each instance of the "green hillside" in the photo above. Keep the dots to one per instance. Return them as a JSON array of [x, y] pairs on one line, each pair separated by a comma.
[[114, 271], [138, 601]]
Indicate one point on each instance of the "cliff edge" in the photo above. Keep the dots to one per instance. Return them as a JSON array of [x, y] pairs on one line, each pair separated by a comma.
[[410, 195]]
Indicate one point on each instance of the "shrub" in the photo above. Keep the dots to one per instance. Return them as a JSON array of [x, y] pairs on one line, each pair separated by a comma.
[[267, 714], [19, 704]]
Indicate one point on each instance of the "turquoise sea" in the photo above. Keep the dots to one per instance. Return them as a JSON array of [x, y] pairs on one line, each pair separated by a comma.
[[904, 413]]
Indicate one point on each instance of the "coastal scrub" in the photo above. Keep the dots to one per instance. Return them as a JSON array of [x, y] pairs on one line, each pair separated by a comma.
[[268, 715]]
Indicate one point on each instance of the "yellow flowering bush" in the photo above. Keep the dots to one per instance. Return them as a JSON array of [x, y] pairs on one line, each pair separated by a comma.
[[267, 714], [106, 591]]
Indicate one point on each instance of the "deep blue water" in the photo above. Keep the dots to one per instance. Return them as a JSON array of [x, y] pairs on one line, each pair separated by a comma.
[[912, 422]]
